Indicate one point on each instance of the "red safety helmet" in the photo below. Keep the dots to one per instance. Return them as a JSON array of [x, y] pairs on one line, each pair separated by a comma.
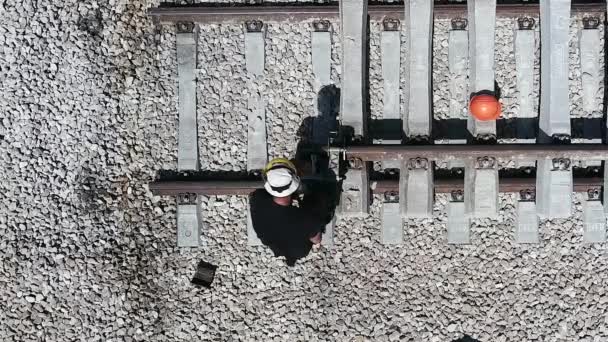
[[485, 107]]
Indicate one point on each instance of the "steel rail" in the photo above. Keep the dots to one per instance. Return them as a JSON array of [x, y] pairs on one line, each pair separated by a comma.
[[218, 13], [245, 187], [454, 152], [205, 187], [505, 184]]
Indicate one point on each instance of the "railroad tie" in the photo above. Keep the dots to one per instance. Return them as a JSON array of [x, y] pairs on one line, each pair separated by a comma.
[[257, 151], [416, 184], [392, 223], [418, 98], [321, 68], [590, 50], [458, 224], [554, 176], [416, 177], [189, 215], [481, 175], [481, 187], [525, 47], [526, 220], [482, 25], [323, 121], [355, 196], [458, 62], [470, 47], [594, 218], [390, 43]]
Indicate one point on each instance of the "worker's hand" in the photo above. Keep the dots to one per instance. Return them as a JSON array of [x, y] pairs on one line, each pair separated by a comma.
[[316, 239]]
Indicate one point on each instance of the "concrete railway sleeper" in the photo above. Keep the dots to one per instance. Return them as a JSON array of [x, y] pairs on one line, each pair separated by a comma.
[[411, 152]]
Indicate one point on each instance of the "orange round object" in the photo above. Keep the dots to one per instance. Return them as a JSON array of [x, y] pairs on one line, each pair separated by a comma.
[[485, 107]]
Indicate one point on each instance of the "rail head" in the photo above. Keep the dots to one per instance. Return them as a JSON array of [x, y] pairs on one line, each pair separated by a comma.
[[378, 186], [215, 13]]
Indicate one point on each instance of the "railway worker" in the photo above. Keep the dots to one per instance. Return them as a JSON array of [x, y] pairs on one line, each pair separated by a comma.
[[281, 218]]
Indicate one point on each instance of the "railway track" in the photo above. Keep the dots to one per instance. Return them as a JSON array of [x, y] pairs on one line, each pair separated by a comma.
[[547, 161]]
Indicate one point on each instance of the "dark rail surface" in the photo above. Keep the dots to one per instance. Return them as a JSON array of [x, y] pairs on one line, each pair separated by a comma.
[[245, 187], [218, 13]]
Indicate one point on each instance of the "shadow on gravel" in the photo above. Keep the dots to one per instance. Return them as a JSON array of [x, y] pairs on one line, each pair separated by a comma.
[[466, 338], [315, 132]]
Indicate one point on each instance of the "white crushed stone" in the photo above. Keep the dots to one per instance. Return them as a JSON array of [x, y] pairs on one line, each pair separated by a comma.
[[289, 84], [441, 70], [504, 65], [376, 83], [89, 118], [222, 106]]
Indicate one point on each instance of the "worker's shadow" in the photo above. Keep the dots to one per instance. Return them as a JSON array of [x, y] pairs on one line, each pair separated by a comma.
[[320, 184]]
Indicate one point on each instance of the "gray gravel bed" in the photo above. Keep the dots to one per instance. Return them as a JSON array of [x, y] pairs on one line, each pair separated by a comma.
[[441, 71], [222, 89], [289, 84], [89, 116]]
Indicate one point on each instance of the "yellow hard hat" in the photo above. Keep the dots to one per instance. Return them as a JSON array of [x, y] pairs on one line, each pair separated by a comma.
[[279, 162], [280, 177]]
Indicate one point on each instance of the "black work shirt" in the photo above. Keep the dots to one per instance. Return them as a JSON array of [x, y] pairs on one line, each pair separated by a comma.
[[285, 229]]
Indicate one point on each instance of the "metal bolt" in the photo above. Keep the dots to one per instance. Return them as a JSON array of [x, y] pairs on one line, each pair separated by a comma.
[[418, 163], [254, 25], [561, 164], [391, 24], [527, 195], [457, 196], [321, 25], [186, 198], [485, 163], [526, 23], [593, 194], [391, 196], [459, 24], [185, 27], [591, 23]]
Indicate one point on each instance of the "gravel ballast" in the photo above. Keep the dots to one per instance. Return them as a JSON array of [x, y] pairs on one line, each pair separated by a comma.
[[88, 116]]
